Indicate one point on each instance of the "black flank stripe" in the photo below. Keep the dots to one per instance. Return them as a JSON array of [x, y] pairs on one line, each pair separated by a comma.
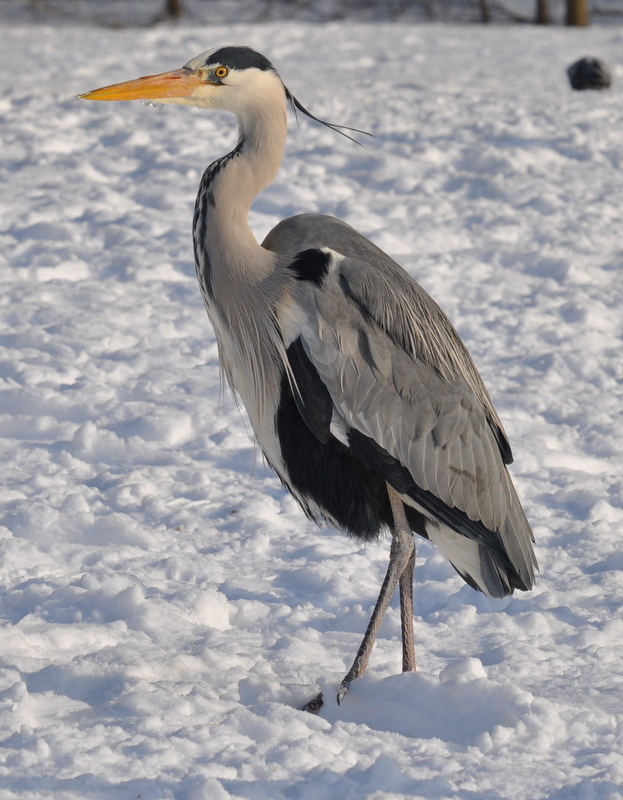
[[312, 398]]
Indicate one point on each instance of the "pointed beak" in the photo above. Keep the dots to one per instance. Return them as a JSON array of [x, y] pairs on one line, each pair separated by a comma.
[[178, 83]]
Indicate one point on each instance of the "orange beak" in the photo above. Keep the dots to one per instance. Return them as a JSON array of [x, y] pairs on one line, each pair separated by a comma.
[[178, 83]]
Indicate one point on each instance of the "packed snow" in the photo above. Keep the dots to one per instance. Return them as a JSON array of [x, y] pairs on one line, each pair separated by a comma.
[[165, 606]]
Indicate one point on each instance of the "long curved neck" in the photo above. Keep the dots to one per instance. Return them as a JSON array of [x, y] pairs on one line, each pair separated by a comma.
[[229, 258]]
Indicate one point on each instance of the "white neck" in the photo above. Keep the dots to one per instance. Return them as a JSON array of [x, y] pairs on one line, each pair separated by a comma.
[[236, 259], [237, 275]]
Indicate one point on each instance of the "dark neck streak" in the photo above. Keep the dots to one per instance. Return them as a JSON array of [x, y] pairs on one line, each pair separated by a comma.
[[204, 202], [237, 277], [231, 262]]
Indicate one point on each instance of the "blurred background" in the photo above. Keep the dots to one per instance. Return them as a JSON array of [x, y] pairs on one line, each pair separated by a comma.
[[126, 13]]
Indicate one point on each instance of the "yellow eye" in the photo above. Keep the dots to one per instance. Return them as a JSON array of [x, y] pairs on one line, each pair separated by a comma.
[[221, 72]]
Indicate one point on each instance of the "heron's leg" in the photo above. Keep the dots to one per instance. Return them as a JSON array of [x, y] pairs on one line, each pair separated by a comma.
[[406, 615], [401, 554], [406, 588]]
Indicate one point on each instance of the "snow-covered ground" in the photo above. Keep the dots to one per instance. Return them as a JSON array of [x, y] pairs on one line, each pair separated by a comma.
[[164, 606]]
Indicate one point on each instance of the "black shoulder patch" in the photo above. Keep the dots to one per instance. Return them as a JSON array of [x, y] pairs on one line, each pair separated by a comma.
[[311, 265], [239, 58]]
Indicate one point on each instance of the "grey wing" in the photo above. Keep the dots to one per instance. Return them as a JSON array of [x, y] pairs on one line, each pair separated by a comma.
[[413, 416]]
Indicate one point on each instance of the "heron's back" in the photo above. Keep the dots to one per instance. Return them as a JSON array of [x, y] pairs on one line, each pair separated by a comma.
[[405, 398]]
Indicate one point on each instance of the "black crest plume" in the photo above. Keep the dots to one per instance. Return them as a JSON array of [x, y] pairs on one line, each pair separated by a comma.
[[337, 128]]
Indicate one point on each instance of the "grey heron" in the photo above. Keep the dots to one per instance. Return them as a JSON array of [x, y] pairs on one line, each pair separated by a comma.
[[361, 394]]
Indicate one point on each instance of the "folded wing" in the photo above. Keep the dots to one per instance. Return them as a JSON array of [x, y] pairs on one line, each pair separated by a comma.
[[373, 354]]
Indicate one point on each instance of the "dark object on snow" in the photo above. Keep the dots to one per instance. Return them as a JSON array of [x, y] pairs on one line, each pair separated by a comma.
[[590, 73]]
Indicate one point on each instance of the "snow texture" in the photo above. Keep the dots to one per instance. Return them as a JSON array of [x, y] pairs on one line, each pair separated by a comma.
[[164, 605]]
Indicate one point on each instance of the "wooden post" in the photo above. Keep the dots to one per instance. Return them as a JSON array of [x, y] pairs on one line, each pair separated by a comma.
[[542, 12], [173, 9], [577, 13]]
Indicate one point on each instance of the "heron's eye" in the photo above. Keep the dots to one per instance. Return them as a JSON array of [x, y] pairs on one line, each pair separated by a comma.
[[221, 72]]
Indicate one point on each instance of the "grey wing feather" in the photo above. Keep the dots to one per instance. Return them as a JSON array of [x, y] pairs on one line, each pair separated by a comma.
[[397, 303], [368, 332]]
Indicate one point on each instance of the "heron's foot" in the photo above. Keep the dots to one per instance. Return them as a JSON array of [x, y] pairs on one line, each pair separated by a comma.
[[342, 689], [314, 706]]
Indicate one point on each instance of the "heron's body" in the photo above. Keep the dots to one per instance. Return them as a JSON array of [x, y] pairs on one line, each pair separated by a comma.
[[359, 390]]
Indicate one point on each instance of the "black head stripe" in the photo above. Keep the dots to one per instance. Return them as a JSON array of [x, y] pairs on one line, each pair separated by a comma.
[[239, 58]]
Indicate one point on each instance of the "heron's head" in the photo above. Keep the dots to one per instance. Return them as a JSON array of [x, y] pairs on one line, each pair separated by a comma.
[[229, 78]]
